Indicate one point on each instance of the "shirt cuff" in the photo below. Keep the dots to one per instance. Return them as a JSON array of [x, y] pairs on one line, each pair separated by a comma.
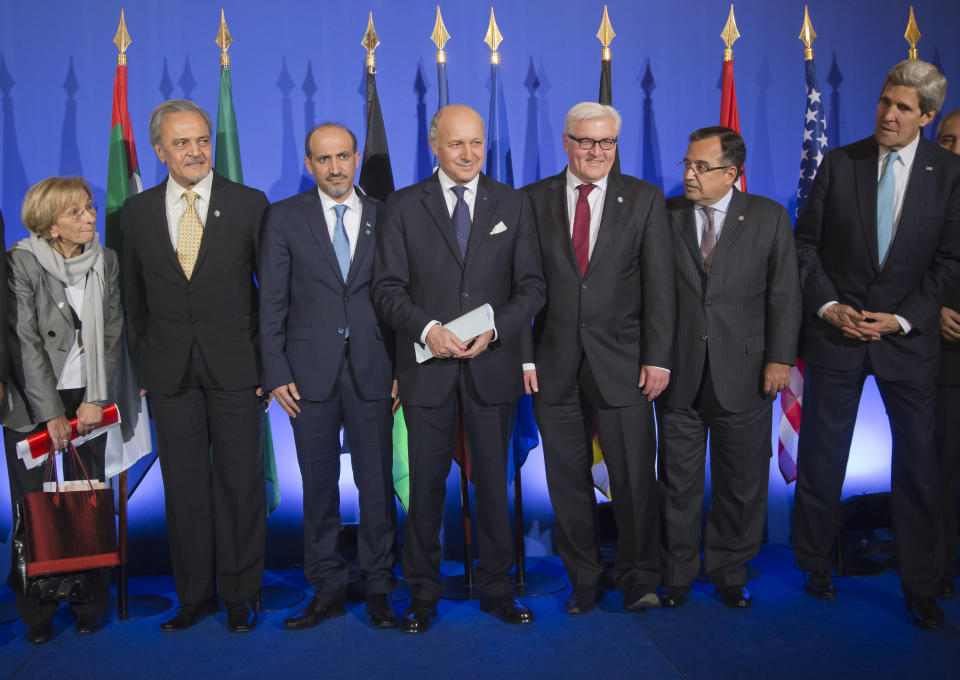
[[661, 368], [423, 336], [904, 324], [824, 308], [529, 367]]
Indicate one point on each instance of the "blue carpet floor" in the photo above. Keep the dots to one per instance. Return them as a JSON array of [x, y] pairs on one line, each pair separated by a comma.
[[865, 633]]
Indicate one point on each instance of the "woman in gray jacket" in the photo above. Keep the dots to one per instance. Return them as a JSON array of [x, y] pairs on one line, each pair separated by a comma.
[[65, 326]]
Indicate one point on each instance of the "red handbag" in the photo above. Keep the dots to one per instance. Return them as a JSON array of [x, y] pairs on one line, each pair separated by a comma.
[[69, 530]]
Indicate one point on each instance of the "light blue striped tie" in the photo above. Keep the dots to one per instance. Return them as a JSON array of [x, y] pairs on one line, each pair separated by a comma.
[[341, 244], [886, 195]]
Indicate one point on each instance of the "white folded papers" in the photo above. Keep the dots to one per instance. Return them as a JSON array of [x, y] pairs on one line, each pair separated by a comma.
[[465, 327]]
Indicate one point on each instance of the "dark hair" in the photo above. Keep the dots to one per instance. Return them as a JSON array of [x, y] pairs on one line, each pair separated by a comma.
[[353, 137], [731, 144]]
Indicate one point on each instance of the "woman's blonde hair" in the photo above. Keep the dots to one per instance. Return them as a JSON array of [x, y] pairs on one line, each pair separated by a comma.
[[48, 199]]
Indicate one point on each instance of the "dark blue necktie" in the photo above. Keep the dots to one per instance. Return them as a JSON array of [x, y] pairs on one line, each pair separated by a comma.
[[341, 244], [461, 219]]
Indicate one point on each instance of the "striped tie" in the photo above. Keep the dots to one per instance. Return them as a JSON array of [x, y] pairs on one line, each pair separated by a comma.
[[190, 232]]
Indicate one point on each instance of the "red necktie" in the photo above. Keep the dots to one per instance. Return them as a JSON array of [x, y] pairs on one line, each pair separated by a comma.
[[581, 228]]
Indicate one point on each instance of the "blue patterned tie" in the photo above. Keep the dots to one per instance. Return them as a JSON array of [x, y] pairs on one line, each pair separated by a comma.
[[341, 244], [886, 192], [461, 219]]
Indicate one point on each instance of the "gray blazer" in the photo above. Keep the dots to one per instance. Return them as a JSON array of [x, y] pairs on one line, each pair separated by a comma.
[[41, 335]]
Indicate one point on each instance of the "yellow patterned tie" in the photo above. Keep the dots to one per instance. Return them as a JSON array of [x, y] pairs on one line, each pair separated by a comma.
[[189, 234]]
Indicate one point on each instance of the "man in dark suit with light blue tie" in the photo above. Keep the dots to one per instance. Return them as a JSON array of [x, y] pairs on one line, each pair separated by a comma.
[[878, 244], [447, 245], [327, 360]]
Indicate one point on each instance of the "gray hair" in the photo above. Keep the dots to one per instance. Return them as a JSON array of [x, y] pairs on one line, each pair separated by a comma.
[[589, 111], [336, 126], [173, 106], [435, 121], [930, 84], [946, 119]]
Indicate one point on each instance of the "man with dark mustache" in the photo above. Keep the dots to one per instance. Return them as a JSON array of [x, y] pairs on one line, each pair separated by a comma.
[[327, 360], [189, 272]]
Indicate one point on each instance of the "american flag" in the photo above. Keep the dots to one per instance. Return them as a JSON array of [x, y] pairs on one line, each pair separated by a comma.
[[814, 145]]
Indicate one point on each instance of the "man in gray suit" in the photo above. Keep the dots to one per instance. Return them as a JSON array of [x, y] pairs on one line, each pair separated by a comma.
[[738, 318]]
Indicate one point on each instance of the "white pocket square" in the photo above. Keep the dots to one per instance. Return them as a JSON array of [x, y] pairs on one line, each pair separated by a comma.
[[498, 229]]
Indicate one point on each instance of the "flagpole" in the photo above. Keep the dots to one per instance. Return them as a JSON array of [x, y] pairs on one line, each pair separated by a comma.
[[912, 36], [376, 173], [605, 35], [729, 117]]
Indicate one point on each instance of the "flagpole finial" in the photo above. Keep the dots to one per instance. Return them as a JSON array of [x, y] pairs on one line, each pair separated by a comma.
[[807, 35], [606, 35], [223, 41], [370, 42], [493, 38], [912, 35], [122, 40], [440, 37], [730, 35]]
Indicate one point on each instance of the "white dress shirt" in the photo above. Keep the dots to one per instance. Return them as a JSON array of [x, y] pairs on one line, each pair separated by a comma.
[[73, 374], [720, 209], [177, 204], [594, 199], [351, 218], [901, 175]]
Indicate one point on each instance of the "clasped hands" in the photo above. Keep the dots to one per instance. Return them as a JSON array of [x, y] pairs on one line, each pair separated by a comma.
[[865, 326], [444, 344], [89, 417]]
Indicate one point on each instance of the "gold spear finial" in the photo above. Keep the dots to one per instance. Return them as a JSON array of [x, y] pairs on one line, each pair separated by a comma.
[[729, 35], [912, 35], [606, 34], [807, 35], [223, 41], [122, 40], [440, 37], [493, 39], [370, 42]]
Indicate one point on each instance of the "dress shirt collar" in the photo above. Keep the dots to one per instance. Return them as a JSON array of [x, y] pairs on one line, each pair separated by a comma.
[[573, 182], [907, 153], [723, 205], [352, 202], [201, 188], [446, 183]]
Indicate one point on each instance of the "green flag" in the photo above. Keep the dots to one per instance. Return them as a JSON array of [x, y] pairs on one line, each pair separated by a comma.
[[226, 161], [401, 460]]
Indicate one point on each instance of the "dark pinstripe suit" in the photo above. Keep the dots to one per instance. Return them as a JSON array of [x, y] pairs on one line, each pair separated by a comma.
[[745, 314]]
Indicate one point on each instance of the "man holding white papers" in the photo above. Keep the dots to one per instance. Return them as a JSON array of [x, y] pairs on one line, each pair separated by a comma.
[[445, 246]]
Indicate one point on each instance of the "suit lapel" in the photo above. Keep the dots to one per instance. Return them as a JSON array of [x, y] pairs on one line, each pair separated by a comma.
[[732, 223], [865, 170], [59, 294], [159, 210], [212, 226], [557, 201], [483, 210], [613, 206], [365, 236], [436, 207], [918, 187], [686, 224], [317, 226]]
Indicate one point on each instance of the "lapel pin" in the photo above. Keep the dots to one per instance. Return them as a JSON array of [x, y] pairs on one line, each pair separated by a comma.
[[367, 232], [619, 199], [216, 213], [740, 218], [929, 168]]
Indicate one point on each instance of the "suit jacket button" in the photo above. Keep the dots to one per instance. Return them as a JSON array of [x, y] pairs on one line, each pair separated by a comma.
[[466, 295], [707, 303], [52, 334], [339, 331], [703, 338], [583, 325], [583, 286]]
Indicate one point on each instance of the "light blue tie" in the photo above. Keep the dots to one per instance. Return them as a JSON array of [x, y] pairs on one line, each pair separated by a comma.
[[341, 244], [886, 195]]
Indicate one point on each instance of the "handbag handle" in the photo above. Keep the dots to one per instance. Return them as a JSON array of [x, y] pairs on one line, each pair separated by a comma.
[[76, 460]]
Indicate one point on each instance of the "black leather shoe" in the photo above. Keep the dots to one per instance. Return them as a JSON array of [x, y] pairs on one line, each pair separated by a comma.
[[188, 615], [88, 624], [320, 609], [672, 597], [640, 598], [820, 585], [380, 611], [418, 616], [946, 589], [925, 612], [583, 599], [241, 617], [737, 597], [508, 608], [38, 633]]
